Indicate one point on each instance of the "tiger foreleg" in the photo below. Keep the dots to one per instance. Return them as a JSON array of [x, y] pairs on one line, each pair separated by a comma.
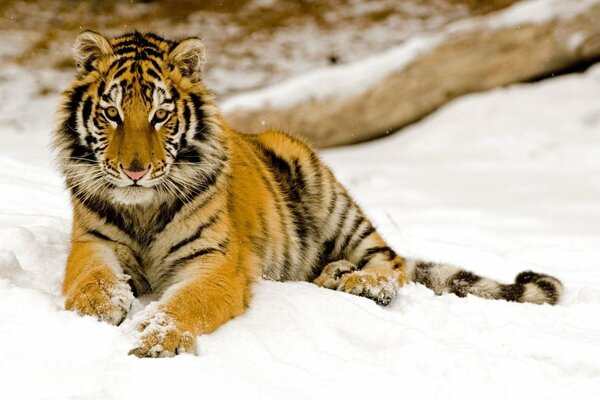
[[94, 283], [204, 295]]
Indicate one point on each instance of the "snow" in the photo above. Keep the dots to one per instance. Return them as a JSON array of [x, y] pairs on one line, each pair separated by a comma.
[[497, 182], [539, 11], [342, 81]]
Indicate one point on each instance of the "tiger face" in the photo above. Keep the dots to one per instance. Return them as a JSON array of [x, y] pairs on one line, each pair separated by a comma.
[[138, 124]]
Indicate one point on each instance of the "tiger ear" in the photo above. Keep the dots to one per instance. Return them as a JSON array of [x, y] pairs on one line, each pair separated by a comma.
[[189, 56], [90, 47]]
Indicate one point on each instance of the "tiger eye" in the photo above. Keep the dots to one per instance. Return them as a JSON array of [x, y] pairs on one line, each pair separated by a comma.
[[112, 113], [160, 114]]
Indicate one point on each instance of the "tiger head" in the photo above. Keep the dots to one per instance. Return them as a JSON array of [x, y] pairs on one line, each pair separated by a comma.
[[138, 124]]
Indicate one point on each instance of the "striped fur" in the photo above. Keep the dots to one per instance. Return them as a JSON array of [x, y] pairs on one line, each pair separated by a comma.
[[168, 199]]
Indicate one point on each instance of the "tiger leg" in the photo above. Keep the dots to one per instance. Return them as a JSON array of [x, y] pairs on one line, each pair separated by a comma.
[[379, 283], [95, 284], [205, 295], [377, 275]]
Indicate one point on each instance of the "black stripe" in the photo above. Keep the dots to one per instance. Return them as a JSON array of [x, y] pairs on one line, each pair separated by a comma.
[[205, 182], [74, 98], [125, 50], [364, 234], [259, 242], [90, 140], [187, 115], [175, 130], [199, 253], [124, 85], [328, 247], [549, 289], [512, 292], [164, 216], [291, 187], [195, 236], [80, 153], [119, 62], [199, 113], [146, 53], [140, 43], [328, 253], [357, 221], [461, 282], [155, 64], [69, 127], [188, 154], [196, 254], [104, 210], [316, 168], [86, 110], [209, 180], [120, 72], [134, 38], [153, 74], [526, 277], [370, 253], [101, 88], [422, 273], [174, 93], [334, 198], [100, 235]]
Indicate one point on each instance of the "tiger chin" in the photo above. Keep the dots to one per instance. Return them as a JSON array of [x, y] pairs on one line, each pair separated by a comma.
[[168, 199]]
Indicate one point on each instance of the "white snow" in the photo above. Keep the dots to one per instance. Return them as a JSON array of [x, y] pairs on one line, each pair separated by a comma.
[[342, 81], [496, 182]]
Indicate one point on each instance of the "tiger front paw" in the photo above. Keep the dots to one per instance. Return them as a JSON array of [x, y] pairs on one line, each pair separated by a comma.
[[159, 336], [101, 295]]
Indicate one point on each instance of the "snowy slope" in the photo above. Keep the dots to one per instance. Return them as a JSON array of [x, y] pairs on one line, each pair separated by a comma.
[[496, 182]]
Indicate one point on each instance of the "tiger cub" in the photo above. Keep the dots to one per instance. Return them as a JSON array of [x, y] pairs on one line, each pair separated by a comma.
[[168, 199]]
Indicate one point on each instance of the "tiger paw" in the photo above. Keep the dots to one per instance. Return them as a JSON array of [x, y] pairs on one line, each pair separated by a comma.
[[331, 276], [159, 336], [101, 295], [380, 289]]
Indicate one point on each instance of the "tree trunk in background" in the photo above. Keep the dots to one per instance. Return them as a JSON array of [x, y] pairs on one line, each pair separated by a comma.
[[467, 61]]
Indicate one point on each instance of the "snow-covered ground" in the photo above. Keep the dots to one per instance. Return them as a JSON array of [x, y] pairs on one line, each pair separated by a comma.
[[496, 182]]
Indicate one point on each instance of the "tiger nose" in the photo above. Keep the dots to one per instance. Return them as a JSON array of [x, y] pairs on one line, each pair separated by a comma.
[[135, 173]]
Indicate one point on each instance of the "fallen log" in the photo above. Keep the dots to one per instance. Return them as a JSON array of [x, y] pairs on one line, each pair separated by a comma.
[[348, 104]]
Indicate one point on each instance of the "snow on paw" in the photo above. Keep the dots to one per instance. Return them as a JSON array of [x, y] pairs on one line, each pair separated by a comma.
[[380, 289], [158, 336], [331, 276], [102, 295]]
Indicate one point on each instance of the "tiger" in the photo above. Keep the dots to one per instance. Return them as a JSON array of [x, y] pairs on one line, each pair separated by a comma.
[[169, 200]]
